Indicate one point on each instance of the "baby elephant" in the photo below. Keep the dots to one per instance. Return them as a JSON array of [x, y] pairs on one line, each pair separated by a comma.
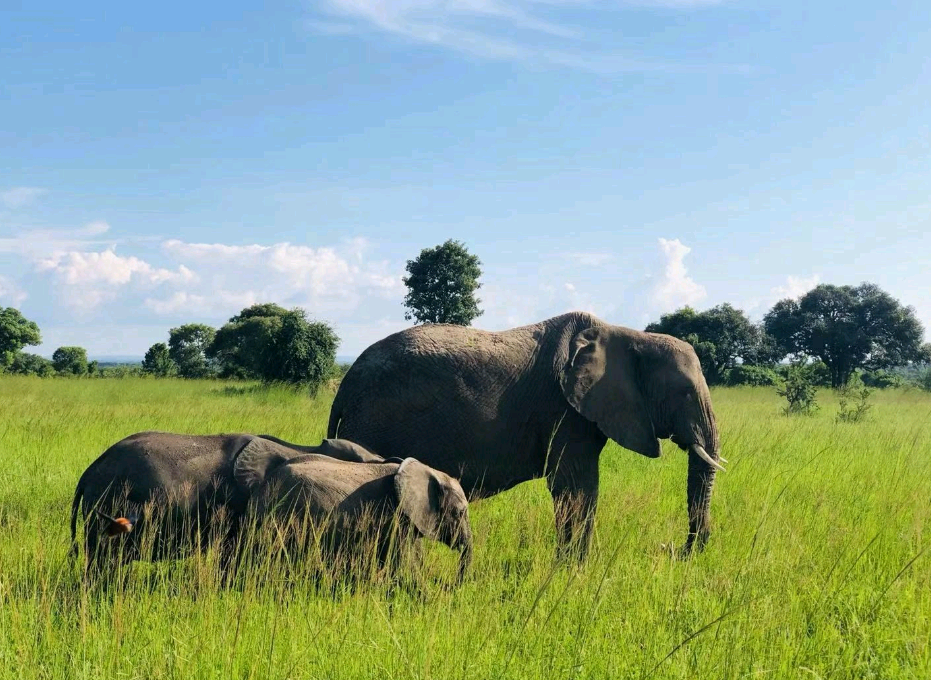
[[181, 487], [345, 503]]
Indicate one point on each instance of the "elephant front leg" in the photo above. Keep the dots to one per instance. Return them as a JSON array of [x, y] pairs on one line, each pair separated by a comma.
[[574, 487]]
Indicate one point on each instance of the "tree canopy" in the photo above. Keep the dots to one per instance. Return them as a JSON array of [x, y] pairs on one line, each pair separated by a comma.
[[301, 352], [187, 347], [441, 285], [70, 360], [157, 361], [722, 336], [16, 332], [241, 345], [848, 327]]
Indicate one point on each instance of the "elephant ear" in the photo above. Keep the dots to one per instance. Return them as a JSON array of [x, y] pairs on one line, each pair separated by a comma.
[[256, 460], [420, 496], [601, 381]]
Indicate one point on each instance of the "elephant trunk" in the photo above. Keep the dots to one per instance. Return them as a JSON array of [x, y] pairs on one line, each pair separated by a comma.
[[702, 469], [464, 544]]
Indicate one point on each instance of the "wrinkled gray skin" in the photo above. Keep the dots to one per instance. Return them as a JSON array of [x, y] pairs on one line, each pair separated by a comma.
[[188, 478], [349, 502], [498, 409]]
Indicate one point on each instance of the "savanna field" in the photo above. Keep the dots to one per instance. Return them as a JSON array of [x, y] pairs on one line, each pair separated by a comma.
[[817, 568]]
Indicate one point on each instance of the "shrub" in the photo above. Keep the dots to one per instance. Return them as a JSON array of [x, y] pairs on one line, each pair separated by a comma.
[[70, 360], [852, 401], [751, 375], [25, 363], [799, 390], [881, 379]]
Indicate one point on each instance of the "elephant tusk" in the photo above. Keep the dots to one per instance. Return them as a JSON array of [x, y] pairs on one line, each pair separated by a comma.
[[721, 458], [701, 453]]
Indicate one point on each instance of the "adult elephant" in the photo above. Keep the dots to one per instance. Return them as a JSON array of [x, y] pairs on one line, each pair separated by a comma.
[[498, 409]]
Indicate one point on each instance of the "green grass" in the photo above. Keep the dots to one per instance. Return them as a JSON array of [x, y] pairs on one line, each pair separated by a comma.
[[817, 566]]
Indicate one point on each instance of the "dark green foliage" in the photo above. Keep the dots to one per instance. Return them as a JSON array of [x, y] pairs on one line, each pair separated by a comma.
[[70, 360], [16, 332], [240, 347], [442, 284], [799, 389], [852, 401], [722, 336], [881, 379], [121, 371], [187, 347], [158, 361], [31, 364], [93, 367], [847, 327], [301, 352], [760, 376]]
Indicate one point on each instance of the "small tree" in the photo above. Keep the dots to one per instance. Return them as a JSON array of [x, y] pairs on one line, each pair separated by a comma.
[[16, 332], [852, 401], [441, 285], [187, 347], [799, 390], [241, 345], [301, 352], [70, 360], [157, 361]]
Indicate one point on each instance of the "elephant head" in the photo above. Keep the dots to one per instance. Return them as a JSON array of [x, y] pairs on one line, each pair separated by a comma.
[[436, 505], [642, 387]]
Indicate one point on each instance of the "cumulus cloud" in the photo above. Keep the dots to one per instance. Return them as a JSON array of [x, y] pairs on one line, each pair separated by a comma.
[[795, 286], [591, 259], [675, 288], [11, 293], [20, 197], [38, 243], [513, 30], [89, 278]]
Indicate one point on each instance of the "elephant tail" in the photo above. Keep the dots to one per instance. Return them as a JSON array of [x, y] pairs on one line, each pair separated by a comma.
[[336, 414]]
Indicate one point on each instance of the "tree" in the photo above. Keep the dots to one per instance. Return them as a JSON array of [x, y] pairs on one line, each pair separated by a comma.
[[70, 360], [847, 327], [301, 352], [241, 345], [722, 336], [16, 332], [157, 361], [187, 347], [25, 363], [442, 285]]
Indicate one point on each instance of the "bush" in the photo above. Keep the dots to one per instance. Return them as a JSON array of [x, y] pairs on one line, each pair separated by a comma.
[[799, 389], [751, 375], [881, 379], [25, 363], [70, 360], [852, 401], [922, 378]]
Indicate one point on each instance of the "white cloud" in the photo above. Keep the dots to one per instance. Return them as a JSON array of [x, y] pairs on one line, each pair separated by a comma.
[[10, 292], [20, 197], [795, 287], [334, 278], [87, 279], [676, 288], [513, 30], [37, 243]]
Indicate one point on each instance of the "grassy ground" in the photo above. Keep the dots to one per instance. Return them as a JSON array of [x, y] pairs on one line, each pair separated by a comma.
[[817, 566]]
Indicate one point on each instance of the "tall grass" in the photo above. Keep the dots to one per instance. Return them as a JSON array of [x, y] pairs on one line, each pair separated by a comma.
[[817, 566]]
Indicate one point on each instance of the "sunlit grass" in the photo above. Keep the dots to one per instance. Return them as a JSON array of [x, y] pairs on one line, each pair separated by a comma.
[[815, 567]]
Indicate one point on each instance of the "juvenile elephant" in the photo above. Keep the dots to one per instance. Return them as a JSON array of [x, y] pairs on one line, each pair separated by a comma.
[[497, 409], [181, 486], [345, 504]]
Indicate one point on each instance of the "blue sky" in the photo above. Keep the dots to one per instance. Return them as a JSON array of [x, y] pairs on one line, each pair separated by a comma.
[[174, 163]]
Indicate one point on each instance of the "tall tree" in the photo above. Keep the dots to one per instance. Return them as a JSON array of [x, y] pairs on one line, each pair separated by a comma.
[[241, 345], [70, 360], [847, 327], [187, 347], [302, 352], [157, 361], [722, 336], [441, 285], [16, 332]]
